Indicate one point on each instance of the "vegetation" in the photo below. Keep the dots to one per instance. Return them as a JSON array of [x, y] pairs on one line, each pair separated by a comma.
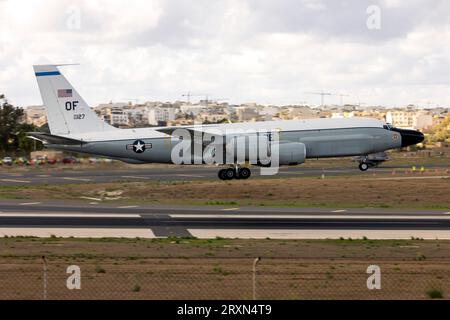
[[13, 140], [441, 132], [136, 288], [435, 294], [99, 269]]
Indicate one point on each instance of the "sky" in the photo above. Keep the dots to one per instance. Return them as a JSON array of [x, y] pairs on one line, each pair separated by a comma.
[[377, 52]]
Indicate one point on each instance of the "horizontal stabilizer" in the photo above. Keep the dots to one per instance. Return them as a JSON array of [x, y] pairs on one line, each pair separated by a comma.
[[48, 138]]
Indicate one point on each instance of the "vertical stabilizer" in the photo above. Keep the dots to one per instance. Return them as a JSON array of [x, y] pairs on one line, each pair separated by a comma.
[[67, 112]]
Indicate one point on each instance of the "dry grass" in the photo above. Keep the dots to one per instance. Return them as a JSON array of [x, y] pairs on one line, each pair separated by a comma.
[[349, 191], [221, 269], [336, 191]]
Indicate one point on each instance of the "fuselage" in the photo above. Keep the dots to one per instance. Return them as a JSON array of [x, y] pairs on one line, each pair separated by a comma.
[[322, 138]]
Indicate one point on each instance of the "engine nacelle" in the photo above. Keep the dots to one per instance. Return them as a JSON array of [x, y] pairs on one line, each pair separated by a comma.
[[290, 153], [259, 152]]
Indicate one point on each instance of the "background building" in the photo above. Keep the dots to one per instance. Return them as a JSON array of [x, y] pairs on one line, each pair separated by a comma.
[[36, 115], [159, 116]]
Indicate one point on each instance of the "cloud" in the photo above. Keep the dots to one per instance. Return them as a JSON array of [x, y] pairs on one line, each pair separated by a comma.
[[249, 50]]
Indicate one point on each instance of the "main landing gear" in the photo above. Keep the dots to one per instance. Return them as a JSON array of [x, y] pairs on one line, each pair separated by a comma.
[[363, 166], [234, 173]]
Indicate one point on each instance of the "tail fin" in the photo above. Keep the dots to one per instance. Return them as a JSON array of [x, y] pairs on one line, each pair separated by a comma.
[[67, 112]]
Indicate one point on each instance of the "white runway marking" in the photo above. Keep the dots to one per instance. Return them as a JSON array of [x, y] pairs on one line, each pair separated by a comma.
[[15, 180], [77, 179], [337, 211], [15, 174], [230, 209], [190, 175], [91, 198], [29, 203], [411, 178], [302, 217], [78, 232], [319, 234], [293, 173], [127, 207], [135, 177], [70, 215]]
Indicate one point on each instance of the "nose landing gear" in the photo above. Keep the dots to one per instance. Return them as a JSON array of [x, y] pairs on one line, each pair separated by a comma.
[[234, 173], [372, 160]]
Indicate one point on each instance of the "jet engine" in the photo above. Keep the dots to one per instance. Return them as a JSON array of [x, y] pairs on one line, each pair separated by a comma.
[[290, 153]]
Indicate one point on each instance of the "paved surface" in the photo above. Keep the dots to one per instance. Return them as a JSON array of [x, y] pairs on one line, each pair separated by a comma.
[[163, 174], [94, 220]]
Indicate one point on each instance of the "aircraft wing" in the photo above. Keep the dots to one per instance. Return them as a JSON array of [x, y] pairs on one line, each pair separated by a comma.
[[48, 138], [193, 132], [170, 130]]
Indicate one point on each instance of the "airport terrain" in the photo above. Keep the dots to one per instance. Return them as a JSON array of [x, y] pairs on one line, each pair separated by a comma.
[[293, 187], [177, 268], [171, 233]]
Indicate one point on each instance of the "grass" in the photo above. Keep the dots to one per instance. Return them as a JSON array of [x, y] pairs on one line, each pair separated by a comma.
[[331, 192], [219, 270], [99, 269], [218, 241], [136, 265], [336, 192], [435, 294], [136, 288]]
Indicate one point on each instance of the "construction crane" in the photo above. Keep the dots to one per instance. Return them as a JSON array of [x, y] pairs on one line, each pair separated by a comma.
[[189, 95], [322, 96]]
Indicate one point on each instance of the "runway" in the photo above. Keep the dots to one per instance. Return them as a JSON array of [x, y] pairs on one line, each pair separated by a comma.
[[86, 220], [77, 176]]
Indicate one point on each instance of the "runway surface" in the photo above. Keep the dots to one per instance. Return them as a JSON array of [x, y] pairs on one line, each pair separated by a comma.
[[187, 173], [95, 220]]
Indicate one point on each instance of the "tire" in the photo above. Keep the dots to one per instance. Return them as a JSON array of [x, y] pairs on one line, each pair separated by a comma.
[[222, 174], [244, 173], [230, 173], [363, 166]]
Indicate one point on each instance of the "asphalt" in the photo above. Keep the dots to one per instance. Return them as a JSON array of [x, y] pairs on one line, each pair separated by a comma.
[[76, 176], [252, 222]]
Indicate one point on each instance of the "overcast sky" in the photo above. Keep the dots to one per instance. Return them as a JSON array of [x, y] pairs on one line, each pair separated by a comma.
[[270, 52]]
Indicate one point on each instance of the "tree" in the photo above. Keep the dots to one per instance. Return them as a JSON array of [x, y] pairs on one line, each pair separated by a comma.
[[13, 131], [441, 132]]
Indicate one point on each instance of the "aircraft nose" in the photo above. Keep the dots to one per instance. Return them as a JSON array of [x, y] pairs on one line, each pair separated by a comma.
[[410, 137]]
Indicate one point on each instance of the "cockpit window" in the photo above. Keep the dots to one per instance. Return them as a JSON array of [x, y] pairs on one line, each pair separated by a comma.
[[387, 126]]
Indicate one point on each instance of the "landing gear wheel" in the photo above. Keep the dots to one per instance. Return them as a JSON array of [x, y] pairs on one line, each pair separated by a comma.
[[363, 166], [230, 173], [222, 174], [244, 173]]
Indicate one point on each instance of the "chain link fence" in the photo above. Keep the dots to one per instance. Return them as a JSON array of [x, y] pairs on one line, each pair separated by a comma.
[[224, 279]]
